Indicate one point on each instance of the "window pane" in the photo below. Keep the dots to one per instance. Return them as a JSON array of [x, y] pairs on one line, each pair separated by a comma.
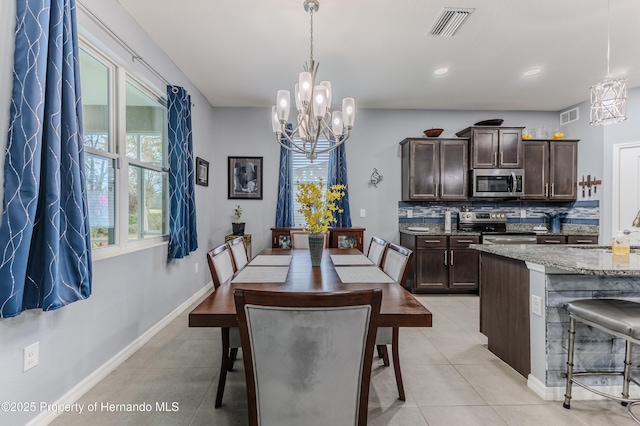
[[100, 174], [305, 171], [146, 127], [94, 77], [148, 203]]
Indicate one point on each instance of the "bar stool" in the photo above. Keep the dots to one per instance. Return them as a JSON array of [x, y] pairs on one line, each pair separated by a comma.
[[620, 318]]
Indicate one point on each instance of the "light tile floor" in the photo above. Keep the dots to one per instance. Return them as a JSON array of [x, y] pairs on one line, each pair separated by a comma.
[[450, 379]]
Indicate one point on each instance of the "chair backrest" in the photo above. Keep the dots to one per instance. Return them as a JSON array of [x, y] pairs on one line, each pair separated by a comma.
[[376, 251], [300, 239], [396, 263], [307, 356], [220, 264], [239, 252]]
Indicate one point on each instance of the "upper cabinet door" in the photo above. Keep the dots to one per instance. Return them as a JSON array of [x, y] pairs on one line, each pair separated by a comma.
[[484, 146], [453, 169], [510, 148], [420, 169], [536, 170], [563, 170]]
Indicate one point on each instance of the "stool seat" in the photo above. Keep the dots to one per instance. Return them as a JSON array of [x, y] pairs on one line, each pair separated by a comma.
[[620, 316]]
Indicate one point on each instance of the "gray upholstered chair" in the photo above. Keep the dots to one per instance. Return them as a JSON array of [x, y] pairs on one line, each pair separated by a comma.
[[377, 247], [395, 263], [221, 266], [239, 252], [307, 356], [300, 239], [619, 318]]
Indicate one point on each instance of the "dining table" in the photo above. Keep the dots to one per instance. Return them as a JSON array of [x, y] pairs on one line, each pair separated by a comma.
[[290, 270]]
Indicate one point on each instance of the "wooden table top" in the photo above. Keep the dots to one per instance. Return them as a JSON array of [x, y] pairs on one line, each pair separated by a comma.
[[399, 308]]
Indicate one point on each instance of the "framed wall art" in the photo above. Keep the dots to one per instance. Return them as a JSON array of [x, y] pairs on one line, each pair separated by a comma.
[[202, 172], [245, 178]]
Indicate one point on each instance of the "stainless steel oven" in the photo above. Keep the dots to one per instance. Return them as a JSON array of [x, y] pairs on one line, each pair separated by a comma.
[[492, 226], [497, 183]]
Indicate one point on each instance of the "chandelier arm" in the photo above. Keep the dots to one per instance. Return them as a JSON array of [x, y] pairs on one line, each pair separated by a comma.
[[295, 147], [334, 146]]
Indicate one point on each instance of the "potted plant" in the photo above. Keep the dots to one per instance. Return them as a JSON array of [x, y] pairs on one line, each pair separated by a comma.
[[238, 227], [318, 205]]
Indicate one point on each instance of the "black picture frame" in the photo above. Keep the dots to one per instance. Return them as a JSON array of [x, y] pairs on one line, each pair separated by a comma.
[[245, 178], [202, 172]]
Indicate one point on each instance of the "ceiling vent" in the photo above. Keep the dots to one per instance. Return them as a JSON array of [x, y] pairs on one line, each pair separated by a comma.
[[449, 21], [569, 116]]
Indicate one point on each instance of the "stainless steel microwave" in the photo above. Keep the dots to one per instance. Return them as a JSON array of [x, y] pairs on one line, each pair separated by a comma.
[[497, 183]]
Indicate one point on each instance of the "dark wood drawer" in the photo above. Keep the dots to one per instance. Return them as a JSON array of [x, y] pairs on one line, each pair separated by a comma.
[[431, 242], [583, 239], [552, 239], [463, 241]]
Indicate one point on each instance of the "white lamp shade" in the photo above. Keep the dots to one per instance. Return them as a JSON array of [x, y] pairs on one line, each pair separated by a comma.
[[336, 123], [297, 97], [275, 123], [305, 86], [327, 84], [302, 129], [319, 101], [348, 112], [283, 104]]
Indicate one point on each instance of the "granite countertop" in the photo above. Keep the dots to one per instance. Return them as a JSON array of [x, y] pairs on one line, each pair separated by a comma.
[[584, 259]]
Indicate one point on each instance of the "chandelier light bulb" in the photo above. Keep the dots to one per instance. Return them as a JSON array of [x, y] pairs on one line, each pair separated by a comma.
[[297, 97], [336, 123], [305, 83], [275, 123], [283, 103], [348, 112], [319, 101]]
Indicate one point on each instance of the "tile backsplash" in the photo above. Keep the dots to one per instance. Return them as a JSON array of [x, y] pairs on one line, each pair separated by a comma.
[[578, 212]]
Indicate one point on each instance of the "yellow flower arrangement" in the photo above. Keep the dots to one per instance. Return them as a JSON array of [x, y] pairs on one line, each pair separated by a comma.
[[318, 205]]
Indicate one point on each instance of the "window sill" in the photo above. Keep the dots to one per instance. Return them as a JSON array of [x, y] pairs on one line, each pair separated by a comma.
[[114, 251]]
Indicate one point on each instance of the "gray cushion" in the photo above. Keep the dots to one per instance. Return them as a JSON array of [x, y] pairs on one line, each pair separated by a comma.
[[384, 336], [620, 316]]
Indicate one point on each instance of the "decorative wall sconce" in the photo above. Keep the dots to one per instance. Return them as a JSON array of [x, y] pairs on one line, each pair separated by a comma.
[[375, 178]]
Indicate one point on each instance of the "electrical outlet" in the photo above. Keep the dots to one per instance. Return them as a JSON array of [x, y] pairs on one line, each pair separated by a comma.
[[409, 214], [363, 213], [30, 356], [536, 305], [196, 268], [523, 214]]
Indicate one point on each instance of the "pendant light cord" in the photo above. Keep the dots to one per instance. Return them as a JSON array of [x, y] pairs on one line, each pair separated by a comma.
[[311, 38], [608, 35]]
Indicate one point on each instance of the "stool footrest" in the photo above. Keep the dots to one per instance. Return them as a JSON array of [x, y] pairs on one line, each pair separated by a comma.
[[606, 395]]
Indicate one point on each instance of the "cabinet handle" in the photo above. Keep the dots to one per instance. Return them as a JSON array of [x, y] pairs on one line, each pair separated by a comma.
[[451, 253], [551, 242], [546, 189], [436, 191], [495, 158], [552, 190], [584, 241], [501, 157], [445, 257], [466, 241], [431, 241]]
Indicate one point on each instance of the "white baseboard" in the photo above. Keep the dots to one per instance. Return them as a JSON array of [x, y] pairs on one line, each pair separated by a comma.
[[577, 393], [94, 378]]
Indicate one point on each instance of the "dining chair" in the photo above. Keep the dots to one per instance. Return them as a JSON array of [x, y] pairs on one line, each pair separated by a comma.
[[376, 251], [239, 252], [307, 356], [300, 239], [396, 263], [221, 265]]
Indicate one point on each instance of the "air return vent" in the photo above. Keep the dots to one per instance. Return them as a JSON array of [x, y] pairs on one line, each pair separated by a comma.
[[569, 116], [449, 21]]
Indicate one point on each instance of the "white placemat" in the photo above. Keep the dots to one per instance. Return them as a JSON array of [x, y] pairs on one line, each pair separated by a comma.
[[362, 274], [350, 259], [262, 274], [275, 260]]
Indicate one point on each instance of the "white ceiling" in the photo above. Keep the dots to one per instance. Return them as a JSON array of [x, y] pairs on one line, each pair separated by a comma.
[[239, 53]]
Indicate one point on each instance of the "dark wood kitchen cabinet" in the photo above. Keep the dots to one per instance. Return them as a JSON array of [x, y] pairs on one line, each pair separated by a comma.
[[550, 169], [443, 264], [495, 147], [434, 169]]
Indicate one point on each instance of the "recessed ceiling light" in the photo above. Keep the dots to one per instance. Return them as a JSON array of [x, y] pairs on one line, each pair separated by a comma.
[[441, 71], [531, 72]]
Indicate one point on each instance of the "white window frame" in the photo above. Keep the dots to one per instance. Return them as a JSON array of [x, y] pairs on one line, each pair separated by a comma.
[[322, 143], [119, 75]]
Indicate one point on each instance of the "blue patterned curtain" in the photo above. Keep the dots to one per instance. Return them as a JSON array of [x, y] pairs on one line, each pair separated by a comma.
[[44, 230], [337, 176], [183, 236], [284, 208]]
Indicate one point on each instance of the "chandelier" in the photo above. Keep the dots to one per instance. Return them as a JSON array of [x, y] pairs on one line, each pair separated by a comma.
[[609, 98], [314, 104]]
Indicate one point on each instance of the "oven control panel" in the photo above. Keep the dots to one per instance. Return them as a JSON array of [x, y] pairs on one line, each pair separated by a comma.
[[482, 217]]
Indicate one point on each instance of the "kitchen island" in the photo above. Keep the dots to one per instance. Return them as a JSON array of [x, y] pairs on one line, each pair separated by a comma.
[[523, 289]]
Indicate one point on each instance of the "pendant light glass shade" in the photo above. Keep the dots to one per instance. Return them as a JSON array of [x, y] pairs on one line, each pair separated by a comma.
[[608, 102]]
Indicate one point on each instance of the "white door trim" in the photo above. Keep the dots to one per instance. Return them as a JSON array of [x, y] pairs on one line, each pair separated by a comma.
[[615, 204]]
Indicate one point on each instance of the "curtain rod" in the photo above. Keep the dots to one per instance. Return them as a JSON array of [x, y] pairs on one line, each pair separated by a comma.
[[133, 53]]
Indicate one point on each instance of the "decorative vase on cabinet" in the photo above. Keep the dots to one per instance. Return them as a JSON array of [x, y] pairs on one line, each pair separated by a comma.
[[316, 245]]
